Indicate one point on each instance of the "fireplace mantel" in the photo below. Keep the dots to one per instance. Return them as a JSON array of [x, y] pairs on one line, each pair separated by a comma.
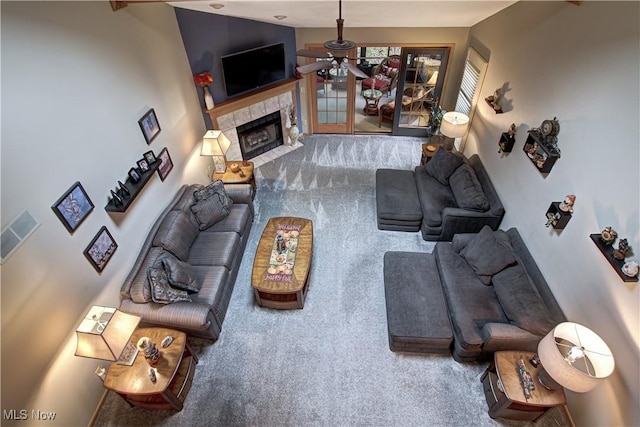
[[252, 98]]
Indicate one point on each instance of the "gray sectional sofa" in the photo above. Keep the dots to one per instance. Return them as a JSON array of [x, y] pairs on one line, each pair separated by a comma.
[[210, 258], [496, 297], [450, 194]]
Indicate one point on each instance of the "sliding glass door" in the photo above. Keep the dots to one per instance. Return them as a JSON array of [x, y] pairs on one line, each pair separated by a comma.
[[420, 84]]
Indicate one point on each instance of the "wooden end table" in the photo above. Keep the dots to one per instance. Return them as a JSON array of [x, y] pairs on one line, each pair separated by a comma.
[[273, 285], [174, 373], [231, 177], [371, 100], [504, 392]]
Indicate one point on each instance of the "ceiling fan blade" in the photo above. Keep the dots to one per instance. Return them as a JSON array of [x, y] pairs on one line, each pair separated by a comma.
[[356, 71], [314, 66], [308, 53]]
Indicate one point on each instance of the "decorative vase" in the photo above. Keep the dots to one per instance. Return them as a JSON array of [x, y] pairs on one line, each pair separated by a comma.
[[208, 99], [294, 133]]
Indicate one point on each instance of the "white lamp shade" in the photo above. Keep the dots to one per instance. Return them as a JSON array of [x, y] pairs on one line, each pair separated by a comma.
[[214, 143], [586, 372], [454, 124], [104, 333]]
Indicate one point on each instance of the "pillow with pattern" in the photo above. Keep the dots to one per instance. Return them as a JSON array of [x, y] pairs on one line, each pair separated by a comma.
[[161, 291]]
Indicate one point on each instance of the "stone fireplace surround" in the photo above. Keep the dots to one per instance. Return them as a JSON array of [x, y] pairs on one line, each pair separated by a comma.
[[230, 114]]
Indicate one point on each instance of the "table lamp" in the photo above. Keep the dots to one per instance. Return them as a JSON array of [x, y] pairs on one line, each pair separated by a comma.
[[573, 357], [104, 334], [454, 125], [216, 144]]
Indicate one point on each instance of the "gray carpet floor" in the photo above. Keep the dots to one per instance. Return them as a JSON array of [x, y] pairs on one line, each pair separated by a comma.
[[328, 364]]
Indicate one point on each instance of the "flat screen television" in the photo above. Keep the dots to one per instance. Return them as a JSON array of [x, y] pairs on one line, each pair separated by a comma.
[[252, 69]]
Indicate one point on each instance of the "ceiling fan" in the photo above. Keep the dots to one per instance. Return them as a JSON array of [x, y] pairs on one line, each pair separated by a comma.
[[338, 50]]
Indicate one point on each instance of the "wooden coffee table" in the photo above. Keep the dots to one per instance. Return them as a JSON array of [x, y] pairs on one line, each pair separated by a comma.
[[280, 274]]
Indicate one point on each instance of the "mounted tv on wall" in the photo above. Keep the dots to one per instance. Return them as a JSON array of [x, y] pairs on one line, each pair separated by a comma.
[[252, 69]]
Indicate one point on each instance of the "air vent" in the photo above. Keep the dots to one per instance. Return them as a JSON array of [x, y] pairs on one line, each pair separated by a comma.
[[16, 233]]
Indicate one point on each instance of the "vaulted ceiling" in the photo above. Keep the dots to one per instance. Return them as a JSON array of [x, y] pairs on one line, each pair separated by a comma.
[[356, 13]]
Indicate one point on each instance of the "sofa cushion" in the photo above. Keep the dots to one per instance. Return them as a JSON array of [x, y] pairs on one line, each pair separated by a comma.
[[215, 248], [488, 253], [161, 291], [443, 164], [212, 204], [434, 197], [520, 300], [239, 220], [180, 274], [176, 234], [467, 189]]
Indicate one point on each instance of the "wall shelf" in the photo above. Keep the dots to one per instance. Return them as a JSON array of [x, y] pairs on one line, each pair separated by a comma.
[[543, 152], [134, 188], [607, 251], [506, 143], [560, 217]]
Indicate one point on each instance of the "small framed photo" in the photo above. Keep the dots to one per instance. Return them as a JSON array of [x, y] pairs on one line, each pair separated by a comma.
[[165, 163], [143, 165], [73, 207], [149, 126], [134, 175], [101, 249], [150, 157]]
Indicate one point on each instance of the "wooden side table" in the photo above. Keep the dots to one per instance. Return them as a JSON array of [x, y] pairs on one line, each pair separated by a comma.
[[504, 392], [371, 99], [231, 177], [174, 373], [428, 151]]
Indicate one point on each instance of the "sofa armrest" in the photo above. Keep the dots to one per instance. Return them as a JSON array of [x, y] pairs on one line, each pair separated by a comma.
[[505, 336], [457, 220], [181, 315]]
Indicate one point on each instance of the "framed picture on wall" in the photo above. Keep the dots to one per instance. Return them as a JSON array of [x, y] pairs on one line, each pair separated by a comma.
[[165, 163], [150, 157], [149, 125], [73, 207], [101, 249]]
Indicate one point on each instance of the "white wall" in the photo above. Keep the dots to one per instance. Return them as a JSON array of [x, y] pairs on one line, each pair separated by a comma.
[[76, 77], [581, 65]]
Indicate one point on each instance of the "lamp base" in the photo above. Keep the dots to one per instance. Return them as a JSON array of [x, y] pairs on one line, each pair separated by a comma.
[[547, 382], [219, 164]]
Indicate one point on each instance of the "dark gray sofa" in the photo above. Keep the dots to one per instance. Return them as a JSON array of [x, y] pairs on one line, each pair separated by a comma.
[[215, 255], [513, 312], [450, 194]]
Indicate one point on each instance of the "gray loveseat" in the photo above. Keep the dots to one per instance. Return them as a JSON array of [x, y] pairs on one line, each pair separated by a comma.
[[496, 297], [450, 194], [212, 255]]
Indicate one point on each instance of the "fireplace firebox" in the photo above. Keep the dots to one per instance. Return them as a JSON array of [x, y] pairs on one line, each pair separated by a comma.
[[260, 135]]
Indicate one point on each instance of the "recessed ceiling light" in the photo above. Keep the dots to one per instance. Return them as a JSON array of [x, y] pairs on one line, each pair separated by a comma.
[[280, 17], [217, 5]]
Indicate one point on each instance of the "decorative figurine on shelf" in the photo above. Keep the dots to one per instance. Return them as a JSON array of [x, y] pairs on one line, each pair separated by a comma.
[[622, 251], [608, 235], [512, 131], [493, 101], [552, 218], [631, 268], [292, 121], [567, 204]]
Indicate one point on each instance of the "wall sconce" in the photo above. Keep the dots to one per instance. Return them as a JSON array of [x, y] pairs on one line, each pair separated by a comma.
[[454, 125], [573, 357], [104, 334], [216, 144]]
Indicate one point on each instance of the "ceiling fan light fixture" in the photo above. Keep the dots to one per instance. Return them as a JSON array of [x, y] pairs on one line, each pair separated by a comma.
[[216, 6]]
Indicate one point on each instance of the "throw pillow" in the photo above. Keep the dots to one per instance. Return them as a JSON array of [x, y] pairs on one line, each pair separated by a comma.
[[488, 253], [467, 189], [161, 291], [443, 165], [520, 300], [176, 234], [181, 275], [212, 204]]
